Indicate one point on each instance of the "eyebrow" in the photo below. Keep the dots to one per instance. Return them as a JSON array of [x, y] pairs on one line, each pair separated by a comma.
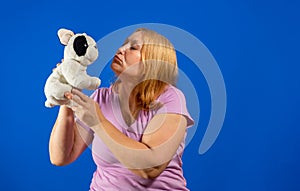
[[134, 42], [126, 40]]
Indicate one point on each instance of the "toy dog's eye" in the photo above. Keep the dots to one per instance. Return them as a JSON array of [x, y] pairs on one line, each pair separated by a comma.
[[80, 45]]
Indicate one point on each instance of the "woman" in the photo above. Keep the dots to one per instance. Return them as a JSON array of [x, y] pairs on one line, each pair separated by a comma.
[[137, 126]]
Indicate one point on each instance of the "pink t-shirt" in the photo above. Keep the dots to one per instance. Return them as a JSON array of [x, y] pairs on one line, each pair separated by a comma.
[[110, 174]]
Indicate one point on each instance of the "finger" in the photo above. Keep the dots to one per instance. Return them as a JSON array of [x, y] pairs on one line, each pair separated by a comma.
[[68, 95], [83, 97], [75, 109], [78, 100]]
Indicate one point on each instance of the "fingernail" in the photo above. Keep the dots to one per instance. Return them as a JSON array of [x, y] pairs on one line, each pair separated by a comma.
[[68, 95]]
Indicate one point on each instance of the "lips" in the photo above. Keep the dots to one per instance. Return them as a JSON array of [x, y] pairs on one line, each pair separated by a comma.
[[117, 60]]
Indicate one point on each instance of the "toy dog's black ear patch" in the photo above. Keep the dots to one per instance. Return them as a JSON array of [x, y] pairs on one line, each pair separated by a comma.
[[80, 45]]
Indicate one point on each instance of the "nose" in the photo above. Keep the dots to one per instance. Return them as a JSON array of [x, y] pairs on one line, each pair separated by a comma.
[[121, 50]]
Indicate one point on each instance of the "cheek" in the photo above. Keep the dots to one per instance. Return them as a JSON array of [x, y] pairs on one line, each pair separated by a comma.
[[134, 58], [135, 70], [138, 57]]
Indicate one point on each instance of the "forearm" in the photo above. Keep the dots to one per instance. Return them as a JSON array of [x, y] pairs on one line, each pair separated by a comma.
[[62, 137], [134, 154], [148, 156]]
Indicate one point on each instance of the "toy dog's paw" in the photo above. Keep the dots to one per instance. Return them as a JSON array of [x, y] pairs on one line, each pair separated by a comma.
[[98, 82], [48, 104]]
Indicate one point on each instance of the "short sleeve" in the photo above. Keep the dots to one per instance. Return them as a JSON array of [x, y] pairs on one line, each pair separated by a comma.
[[173, 101]]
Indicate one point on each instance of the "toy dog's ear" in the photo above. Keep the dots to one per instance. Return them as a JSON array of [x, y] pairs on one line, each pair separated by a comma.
[[64, 35]]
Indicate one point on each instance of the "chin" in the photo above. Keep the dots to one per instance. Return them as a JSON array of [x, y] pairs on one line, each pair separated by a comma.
[[115, 68]]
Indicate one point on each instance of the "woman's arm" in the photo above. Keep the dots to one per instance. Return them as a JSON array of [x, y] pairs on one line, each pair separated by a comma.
[[158, 146], [67, 140], [147, 158]]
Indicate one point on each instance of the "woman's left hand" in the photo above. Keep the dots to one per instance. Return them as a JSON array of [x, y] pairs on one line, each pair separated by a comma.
[[85, 108]]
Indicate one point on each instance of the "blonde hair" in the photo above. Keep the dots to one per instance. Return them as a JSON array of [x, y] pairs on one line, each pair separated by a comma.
[[160, 69]]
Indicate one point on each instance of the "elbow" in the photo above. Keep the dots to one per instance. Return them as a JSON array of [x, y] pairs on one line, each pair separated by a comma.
[[58, 158], [58, 161], [150, 173], [154, 172]]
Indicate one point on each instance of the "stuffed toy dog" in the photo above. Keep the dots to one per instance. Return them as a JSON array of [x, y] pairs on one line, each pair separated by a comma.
[[80, 51]]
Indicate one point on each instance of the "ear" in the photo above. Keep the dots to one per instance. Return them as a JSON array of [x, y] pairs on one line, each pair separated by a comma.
[[64, 35]]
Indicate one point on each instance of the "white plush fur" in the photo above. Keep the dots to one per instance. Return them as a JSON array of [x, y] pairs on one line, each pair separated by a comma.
[[71, 73]]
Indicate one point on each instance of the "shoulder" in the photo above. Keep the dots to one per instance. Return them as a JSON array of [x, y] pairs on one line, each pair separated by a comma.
[[102, 94], [171, 94], [173, 101]]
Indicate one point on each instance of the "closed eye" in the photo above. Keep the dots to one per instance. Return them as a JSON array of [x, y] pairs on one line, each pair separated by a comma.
[[134, 47]]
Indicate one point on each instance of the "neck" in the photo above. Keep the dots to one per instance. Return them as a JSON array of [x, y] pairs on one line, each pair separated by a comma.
[[125, 92], [127, 102]]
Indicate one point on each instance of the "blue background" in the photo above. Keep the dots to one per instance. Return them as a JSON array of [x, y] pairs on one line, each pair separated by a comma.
[[256, 45]]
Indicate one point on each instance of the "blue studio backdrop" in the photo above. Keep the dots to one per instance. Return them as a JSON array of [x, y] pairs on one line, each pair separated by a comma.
[[255, 44]]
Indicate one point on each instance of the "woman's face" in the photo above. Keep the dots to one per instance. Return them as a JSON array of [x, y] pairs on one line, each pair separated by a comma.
[[127, 61]]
